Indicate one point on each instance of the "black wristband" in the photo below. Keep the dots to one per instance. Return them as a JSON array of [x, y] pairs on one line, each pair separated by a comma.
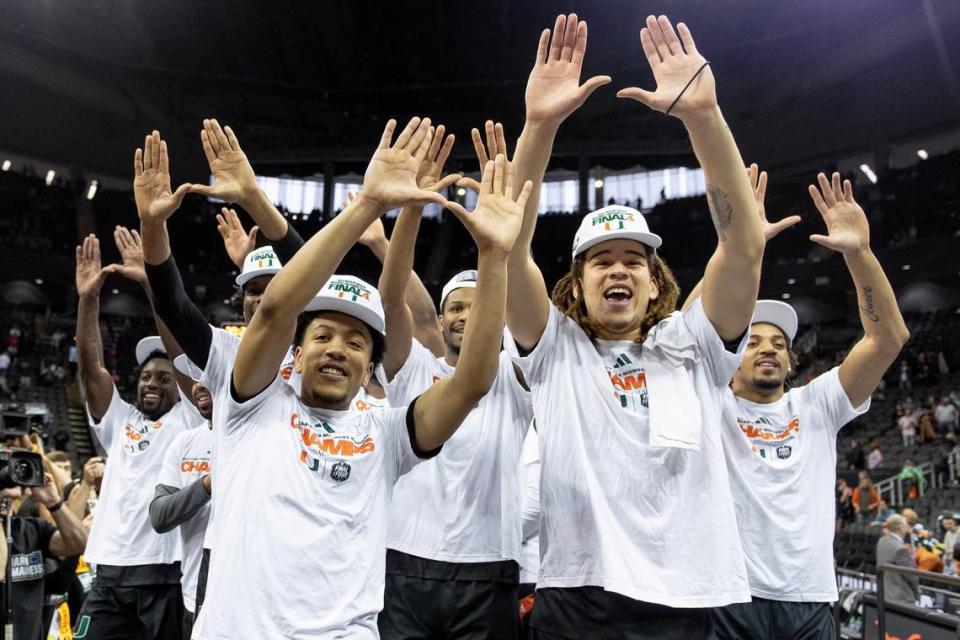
[[56, 507]]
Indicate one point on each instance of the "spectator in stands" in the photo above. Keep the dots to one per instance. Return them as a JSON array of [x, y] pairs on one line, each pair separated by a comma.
[[856, 458], [845, 513], [61, 460], [912, 478], [926, 431], [905, 375], [866, 499], [927, 557], [907, 423], [946, 416], [884, 511], [913, 521], [950, 540], [892, 550], [4, 367], [875, 459]]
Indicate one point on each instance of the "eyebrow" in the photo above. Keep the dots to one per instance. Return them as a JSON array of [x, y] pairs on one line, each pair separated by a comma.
[[326, 325], [754, 336]]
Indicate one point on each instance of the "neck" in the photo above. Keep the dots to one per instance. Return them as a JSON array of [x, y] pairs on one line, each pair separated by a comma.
[[451, 357], [314, 401], [754, 394]]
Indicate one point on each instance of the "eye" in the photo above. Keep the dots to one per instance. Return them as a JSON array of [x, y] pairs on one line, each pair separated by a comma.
[[356, 344], [321, 337]]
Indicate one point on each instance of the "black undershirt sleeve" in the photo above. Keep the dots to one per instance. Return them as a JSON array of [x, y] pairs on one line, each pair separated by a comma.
[[185, 321], [412, 434], [288, 245]]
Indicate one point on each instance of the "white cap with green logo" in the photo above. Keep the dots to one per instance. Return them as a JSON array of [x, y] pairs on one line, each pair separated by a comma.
[[463, 280], [148, 345], [259, 262], [612, 223], [352, 296], [779, 314]]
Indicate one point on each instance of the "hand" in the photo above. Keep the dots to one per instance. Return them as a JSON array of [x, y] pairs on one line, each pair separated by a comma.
[[233, 177], [151, 182], [428, 177], [758, 180], [93, 472], [673, 67], [131, 252], [90, 274], [495, 222], [47, 495], [553, 89], [236, 241], [390, 180], [847, 229], [207, 484], [496, 145]]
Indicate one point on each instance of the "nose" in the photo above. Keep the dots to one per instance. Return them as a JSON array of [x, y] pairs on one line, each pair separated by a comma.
[[335, 350]]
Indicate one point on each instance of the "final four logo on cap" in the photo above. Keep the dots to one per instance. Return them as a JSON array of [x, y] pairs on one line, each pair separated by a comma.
[[352, 296], [259, 262], [463, 280], [611, 223], [147, 346]]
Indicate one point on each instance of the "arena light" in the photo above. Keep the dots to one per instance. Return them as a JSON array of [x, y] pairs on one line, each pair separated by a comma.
[[6, 165], [50, 176], [791, 281], [905, 267], [867, 171], [461, 192], [116, 291], [922, 153], [598, 184], [785, 296], [92, 189], [39, 280]]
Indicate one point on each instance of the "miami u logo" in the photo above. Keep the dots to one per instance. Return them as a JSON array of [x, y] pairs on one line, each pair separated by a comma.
[[83, 626]]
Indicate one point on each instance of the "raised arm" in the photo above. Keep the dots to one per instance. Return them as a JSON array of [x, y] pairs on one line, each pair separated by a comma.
[[70, 538], [884, 330], [390, 181], [494, 225], [94, 376], [553, 93], [686, 89]]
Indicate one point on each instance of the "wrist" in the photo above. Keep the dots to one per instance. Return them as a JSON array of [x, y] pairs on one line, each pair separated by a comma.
[[251, 197], [702, 118], [540, 128], [364, 204], [55, 506], [858, 254], [492, 253]]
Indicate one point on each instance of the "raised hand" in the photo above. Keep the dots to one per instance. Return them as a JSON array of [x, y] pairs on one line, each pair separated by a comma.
[[553, 89], [495, 222], [390, 180], [674, 62], [47, 494], [428, 177], [496, 145], [131, 253], [233, 177], [90, 274], [151, 182], [236, 241], [758, 180], [847, 229]]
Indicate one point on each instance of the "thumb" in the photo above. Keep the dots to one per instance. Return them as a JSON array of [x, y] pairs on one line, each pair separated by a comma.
[[252, 236], [635, 93], [445, 182], [780, 225], [592, 85], [457, 209], [469, 183], [426, 197], [200, 188], [181, 192], [823, 241]]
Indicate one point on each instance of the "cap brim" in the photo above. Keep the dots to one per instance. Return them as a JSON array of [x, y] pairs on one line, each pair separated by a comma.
[[779, 314], [184, 365], [147, 346], [651, 240], [246, 277], [358, 311]]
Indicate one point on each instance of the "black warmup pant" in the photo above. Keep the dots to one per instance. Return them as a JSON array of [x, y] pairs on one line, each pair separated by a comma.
[[762, 619], [433, 600], [591, 612], [133, 603], [202, 582]]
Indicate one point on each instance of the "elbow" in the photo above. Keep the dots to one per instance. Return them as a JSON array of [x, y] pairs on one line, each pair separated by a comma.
[[156, 518], [76, 543], [475, 387]]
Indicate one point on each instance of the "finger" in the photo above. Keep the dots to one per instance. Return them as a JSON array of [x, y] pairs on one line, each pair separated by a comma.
[[542, 47], [425, 144], [212, 136], [499, 174], [491, 138], [592, 85], [181, 191], [127, 237], [752, 174], [207, 147], [669, 35], [786, 223], [823, 241], [387, 134], [486, 180], [232, 138], [686, 38], [501, 139], [155, 149], [138, 162], [469, 183], [445, 151], [164, 158], [556, 45], [137, 240], [457, 209], [418, 136], [525, 193], [252, 236], [203, 189], [654, 28], [569, 38], [407, 133], [580, 47], [650, 49], [761, 191], [478, 148], [148, 153], [826, 189], [818, 200], [435, 144], [426, 197], [222, 226], [640, 95], [508, 183], [118, 239], [221, 136], [835, 184], [446, 181], [848, 192], [78, 254], [233, 219]]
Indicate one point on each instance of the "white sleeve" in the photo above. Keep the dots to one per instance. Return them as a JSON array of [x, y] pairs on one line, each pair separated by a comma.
[[417, 374], [116, 416], [400, 456], [826, 393], [531, 364], [170, 469], [720, 362], [223, 352], [241, 414]]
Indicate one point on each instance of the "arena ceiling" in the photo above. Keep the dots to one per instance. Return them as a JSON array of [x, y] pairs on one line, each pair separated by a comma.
[[310, 82]]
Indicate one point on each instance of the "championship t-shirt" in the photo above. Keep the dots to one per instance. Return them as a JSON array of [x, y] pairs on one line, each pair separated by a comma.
[[122, 534], [301, 510], [31, 541], [616, 510], [782, 460], [187, 461], [530, 550]]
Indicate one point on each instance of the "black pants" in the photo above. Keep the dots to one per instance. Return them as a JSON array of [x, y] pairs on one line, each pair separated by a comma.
[[591, 612], [202, 582], [432, 600], [762, 619], [133, 603]]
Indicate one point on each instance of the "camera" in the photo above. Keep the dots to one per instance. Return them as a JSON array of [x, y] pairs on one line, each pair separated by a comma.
[[14, 424], [20, 468]]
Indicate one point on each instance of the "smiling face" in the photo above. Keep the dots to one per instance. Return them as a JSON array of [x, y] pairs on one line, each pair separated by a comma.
[[252, 293], [453, 319], [617, 288], [334, 359], [766, 360], [156, 388], [202, 399]]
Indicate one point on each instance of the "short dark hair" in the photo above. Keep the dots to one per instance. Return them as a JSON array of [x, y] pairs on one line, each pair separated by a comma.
[[305, 318], [153, 355]]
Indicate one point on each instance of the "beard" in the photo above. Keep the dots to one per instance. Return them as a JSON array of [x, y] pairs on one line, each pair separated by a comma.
[[767, 384]]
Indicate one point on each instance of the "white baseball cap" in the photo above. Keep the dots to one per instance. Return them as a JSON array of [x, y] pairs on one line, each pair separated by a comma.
[[185, 365], [352, 296], [779, 314], [463, 280], [611, 223], [259, 262], [147, 346]]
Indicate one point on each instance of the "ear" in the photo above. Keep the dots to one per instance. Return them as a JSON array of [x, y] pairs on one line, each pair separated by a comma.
[[654, 289], [367, 374], [297, 364], [575, 288]]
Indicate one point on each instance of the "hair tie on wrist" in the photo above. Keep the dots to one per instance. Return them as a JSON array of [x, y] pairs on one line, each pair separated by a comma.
[[56, 507], [684, 90]]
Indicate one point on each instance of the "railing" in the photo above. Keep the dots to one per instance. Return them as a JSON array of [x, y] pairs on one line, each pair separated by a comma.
[[953, 461], [905, 571], [891, 489]]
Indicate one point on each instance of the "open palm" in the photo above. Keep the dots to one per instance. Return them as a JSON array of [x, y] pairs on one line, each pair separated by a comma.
[[151, 183], [758, 180], [90, 274], [391, 177], [233, 177], [847, 227], [131, 253]]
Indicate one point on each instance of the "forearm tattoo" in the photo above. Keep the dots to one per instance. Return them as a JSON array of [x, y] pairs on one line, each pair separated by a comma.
[[720, 210], [867, 305]]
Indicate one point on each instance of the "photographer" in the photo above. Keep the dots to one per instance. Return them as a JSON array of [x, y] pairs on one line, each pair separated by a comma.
[[35, 540]]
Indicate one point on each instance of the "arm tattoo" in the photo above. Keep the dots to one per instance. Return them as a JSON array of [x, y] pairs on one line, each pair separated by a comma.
[[720, 210], [867, 305]]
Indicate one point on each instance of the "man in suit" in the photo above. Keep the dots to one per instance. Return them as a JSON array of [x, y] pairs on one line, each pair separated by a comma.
[[891, 549]]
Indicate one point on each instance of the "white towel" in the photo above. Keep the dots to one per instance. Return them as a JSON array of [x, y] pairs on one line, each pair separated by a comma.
[[671, 352]]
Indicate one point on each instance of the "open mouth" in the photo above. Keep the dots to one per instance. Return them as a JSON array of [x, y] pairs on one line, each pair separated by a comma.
[[333, 371], [767, 363], [618, 295], [150, 396]]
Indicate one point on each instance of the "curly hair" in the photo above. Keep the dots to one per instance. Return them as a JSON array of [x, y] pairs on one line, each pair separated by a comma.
[[573, 306]]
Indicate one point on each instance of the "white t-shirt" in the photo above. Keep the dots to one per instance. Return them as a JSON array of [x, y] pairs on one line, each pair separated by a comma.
[[464, 504], [301, 514], [615, 510], [945, 414], [530, 550], [122, 534], [188, 460], [782, 459]]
